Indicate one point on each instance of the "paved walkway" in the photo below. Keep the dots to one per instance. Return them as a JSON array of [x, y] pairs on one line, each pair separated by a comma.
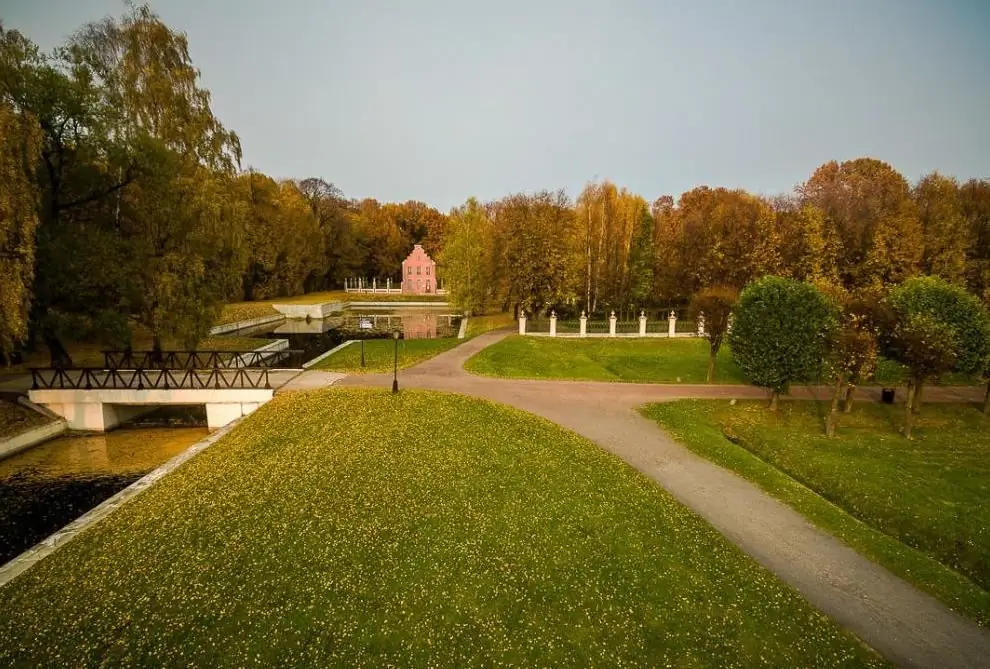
[[907, 626]]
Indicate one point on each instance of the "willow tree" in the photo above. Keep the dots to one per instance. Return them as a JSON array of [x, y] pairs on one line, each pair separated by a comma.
[[20, 144], [176, 217]]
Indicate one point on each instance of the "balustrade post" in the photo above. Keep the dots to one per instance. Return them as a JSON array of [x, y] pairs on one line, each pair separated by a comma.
[[642, 323], [522, 322], [584, 324], [672, 324], [611, 324], [701, 324], [553, 323]]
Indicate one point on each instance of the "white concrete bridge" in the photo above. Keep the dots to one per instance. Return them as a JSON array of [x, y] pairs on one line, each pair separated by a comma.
[[100, 399]]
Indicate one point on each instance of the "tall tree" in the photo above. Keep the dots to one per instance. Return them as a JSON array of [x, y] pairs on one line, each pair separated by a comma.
[[641, 259], [20, 146], [468, 258], [946, 235], [868, 205], [974, 198]]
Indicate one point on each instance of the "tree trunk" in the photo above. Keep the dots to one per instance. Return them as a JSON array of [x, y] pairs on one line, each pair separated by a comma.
[[59, 355], [833, 414], [986, 400], [156, 350], [711, 367], [908, 410], [774, 400], [847, 406], [916, 402]]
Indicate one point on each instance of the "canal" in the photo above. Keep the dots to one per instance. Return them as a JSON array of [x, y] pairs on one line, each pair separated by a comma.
[[48, 486]]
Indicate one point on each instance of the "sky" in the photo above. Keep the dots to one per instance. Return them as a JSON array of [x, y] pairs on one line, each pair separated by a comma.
[[439, 100]]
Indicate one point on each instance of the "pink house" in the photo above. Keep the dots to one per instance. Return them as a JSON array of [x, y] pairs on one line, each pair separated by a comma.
[[419, 273]]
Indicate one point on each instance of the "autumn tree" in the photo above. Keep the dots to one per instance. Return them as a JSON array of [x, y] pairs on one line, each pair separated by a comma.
[[868, 206], [927, 347], [715, 306], [779, 333], [534, 234], [20, 143], [332, 212], [974, 202], [721, 237], [946, 235]]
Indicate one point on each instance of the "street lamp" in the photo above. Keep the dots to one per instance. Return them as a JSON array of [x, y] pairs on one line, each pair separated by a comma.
[[395, 364]]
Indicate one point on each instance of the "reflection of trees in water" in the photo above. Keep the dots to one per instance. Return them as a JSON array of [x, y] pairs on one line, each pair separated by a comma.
[[33, 505]]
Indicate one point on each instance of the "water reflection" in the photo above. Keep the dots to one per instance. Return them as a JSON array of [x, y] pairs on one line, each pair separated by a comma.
[[122, 451], [48, 486]]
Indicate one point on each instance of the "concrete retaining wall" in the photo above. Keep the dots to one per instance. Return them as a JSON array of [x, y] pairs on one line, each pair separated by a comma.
[[26, 440], [249, 323], [317, 311]]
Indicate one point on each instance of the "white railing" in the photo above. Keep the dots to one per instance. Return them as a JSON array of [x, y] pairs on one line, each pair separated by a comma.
[[612, 320]]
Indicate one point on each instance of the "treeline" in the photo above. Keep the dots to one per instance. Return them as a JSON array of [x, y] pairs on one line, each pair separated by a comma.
[[852, 225], [122, 202]]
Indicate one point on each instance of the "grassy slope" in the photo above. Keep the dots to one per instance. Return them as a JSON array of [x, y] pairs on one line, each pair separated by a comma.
[[636, 360], [15, 419], [379, 354], [918, 508], [349, 527]]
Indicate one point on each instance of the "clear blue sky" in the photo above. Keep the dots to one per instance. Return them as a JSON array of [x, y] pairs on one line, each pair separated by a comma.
[[438, 100]]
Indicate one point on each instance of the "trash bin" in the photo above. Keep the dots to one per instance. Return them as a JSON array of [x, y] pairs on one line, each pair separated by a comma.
[[887, 395]]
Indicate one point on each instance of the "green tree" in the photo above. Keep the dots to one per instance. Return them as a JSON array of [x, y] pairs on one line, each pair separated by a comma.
[[949, 305], [779, 333], [641, 259], [715, 306], [468, 258]]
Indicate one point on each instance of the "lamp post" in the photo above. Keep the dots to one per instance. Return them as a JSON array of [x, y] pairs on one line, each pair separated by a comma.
[[395, 364]]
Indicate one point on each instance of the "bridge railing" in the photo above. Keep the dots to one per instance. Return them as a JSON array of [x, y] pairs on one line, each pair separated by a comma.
[[92, 378], [124, 360]]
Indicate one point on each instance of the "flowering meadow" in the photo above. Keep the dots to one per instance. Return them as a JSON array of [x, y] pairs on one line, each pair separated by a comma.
[[356, 528]]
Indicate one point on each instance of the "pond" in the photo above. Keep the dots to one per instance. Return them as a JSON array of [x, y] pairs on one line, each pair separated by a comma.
[[48, 486], [315, 337]]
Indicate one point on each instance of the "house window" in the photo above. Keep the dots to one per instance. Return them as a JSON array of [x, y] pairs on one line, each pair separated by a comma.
[[419, 285], [410, 270], [427, 271], [419, 270], [427, 283]]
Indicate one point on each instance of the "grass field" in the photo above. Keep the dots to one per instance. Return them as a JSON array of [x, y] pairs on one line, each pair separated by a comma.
[[356, 528], [379, 354], [921, 508], [634, 360]]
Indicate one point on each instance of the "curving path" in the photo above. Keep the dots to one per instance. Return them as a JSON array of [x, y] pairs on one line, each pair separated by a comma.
[[907, 626]]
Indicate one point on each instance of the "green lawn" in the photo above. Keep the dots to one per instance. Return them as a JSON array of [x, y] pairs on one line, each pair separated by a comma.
[[379, 354], [356, 528], [637, 360], [920, 508]]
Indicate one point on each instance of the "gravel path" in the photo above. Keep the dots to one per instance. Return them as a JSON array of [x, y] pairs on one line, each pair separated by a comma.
[[907, 626]]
